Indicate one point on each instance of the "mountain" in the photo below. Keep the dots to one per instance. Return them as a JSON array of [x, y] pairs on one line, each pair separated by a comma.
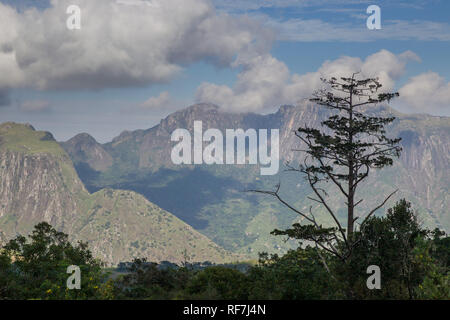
[[39, 183], [84, 149], [213, 199]]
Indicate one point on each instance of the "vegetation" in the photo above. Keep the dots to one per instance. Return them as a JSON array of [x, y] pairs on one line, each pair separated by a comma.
[[343, 153], [414, 263], [35, 268], [39, 180], [15, 138], [206, 205]]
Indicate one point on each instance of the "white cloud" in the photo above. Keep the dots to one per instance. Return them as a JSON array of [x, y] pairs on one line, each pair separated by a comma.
[[35, 106], [162, 101], [313, 30], [258, 86], [265, 82], [426, 93], [118, 45], [352, 29], [8, 62], [138, 3]]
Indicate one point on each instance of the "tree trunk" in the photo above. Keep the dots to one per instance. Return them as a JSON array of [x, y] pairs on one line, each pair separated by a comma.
[[350, 215], [350, 199]]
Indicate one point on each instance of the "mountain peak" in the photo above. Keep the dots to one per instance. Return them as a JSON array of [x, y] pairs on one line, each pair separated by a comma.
[[199, 108], [24, 138], [84, 148], [82, 138], [203, 107]]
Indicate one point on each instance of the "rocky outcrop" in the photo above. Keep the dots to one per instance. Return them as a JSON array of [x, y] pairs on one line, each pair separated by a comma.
[[39, 183], [37, 187], [421, 173]]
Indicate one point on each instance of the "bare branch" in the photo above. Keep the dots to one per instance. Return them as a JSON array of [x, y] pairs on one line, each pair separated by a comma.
[[378, 207], [328, 209], [276, 195]]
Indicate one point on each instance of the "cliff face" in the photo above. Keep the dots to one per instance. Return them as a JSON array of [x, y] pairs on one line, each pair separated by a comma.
[[37, 187], [421, 173], [208, 196], [150, 149], [39, 183]]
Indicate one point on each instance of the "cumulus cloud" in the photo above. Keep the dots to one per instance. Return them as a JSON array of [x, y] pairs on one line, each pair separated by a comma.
[[159, 102], [259, 85], [9, 27], [138, 3], [426, 93], [155, 105], [118, 45], [265, 82], [35, 106]]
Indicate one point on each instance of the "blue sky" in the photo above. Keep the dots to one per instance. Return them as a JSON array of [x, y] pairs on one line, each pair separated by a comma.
[[132, 64]]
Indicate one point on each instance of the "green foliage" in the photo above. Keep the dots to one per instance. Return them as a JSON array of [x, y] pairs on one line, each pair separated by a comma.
[[219, 283], [23, 138], [433, 257], [298, 275], [343, 152], [440, 249], [35, 268], [402, 249], [146, 280], [413, 264], [307, 232]]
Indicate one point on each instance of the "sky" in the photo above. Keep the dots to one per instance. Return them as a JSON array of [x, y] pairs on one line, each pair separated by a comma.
[[133, 62]]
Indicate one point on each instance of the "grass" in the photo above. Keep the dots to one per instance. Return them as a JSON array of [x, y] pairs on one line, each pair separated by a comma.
[[23, 138]]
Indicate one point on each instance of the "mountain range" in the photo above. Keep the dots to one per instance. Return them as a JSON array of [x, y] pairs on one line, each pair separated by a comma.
[[212, 198], [39, 183], [127, 199]]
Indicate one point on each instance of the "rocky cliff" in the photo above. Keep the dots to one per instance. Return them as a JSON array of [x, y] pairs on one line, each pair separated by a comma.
[[207, 197], [39, 183]]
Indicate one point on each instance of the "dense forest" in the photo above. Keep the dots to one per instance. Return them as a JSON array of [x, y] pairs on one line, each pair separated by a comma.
[[414, 264]]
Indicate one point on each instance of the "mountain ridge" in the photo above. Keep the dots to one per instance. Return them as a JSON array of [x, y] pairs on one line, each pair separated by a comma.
[[39, 183], [141, 162]]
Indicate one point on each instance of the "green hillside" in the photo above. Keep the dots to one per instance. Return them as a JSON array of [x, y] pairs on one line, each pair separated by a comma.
[[213, 200], [39, 183]]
